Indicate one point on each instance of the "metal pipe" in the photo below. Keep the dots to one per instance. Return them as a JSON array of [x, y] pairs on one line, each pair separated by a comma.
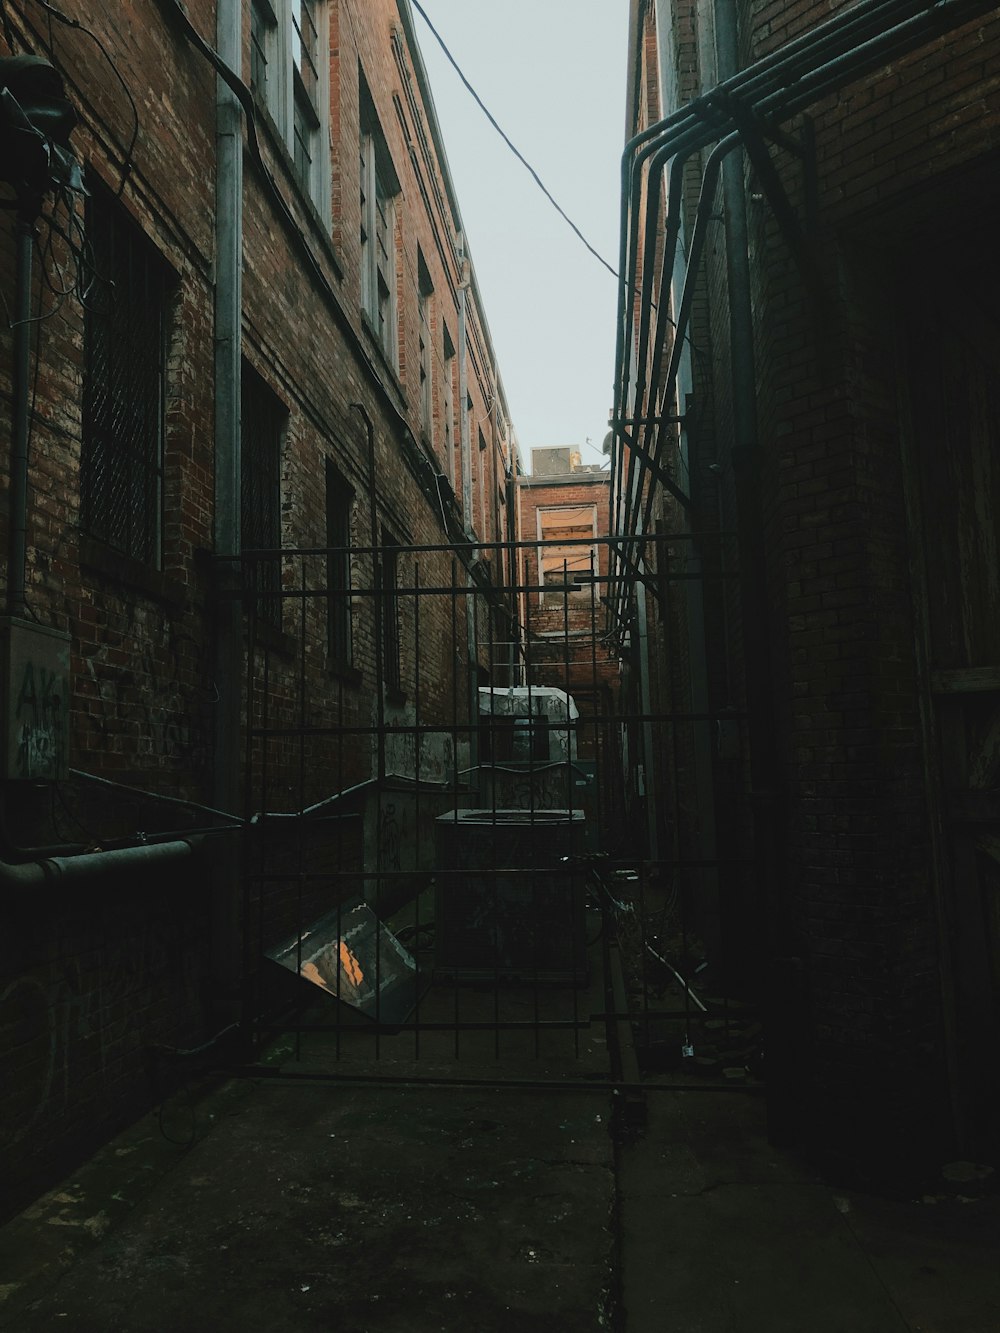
[[227, 618], [845, 47], [92, 865], [21, 419]]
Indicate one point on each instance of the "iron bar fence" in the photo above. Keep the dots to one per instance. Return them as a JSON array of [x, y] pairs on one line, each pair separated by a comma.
[[449, 854]]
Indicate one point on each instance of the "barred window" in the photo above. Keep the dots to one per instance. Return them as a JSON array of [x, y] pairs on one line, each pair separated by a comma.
[[263, 417], [121, 459]]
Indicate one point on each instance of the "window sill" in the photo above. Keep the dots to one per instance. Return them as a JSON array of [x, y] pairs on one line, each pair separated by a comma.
[[346, 674], [274, 639], [100, 558]]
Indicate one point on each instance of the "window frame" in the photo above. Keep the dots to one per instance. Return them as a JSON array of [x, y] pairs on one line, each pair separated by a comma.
[[425, 346], [448, 401], [299, 112], [550, 551], [377, 190]]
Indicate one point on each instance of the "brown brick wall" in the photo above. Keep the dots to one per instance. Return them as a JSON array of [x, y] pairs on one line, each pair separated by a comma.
[[902, 167], [144, 696]]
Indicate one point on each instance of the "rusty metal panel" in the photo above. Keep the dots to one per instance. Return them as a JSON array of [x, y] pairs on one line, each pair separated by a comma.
[[351, 955], [34, 687]]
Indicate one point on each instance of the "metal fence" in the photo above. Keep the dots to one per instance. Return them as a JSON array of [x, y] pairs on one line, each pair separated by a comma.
[[472, 854]]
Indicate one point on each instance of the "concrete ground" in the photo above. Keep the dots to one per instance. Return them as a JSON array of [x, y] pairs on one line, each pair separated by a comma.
[[721, 1234], [398, 1207]]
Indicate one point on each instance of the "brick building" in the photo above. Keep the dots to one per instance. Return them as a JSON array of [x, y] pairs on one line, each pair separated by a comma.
[[807, 411], [563, 514], [255, 390]]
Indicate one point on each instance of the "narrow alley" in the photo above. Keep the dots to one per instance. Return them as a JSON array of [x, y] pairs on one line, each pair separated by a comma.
[[452, 884]]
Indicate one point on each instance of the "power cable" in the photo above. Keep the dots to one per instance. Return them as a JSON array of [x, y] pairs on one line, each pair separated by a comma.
[[65, 19], [517, 153]]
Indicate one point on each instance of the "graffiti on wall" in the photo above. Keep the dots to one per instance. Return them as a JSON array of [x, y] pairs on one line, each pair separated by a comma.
[[39, 721]]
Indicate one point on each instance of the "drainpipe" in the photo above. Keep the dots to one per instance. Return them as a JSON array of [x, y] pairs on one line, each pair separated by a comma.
[[778, 982], [228, 620]]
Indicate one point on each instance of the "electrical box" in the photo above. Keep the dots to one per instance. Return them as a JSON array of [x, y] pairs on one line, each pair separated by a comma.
[[506, 903], [34, 690]]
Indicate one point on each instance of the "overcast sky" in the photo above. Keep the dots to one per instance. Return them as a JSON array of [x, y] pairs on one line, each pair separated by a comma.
[[552, 72]]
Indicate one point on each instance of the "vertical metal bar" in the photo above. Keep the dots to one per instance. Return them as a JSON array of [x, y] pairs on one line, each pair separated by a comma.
[[454, 745], [250, 992], [300, 857], [418, 747], [227, 618]]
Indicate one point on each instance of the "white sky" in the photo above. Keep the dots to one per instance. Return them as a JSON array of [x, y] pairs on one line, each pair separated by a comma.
[[552, 72]]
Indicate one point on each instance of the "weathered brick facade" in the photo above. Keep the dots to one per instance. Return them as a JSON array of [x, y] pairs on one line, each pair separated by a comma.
[[90, 985], [875, 548]]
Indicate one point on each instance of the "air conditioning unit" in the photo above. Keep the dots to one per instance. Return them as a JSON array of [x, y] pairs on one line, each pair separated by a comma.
[[507, 906]]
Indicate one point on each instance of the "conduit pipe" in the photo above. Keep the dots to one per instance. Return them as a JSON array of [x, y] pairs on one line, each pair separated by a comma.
[[228, 617], [93, 865], [774, 89]]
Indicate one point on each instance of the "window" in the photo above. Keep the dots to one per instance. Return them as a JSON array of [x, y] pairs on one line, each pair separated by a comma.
[[448, 406], [339, 506], [379, 185], [121, 460], [425, 291], [391, 672], [262, 422], [305, 92], [289, 77], [560, 566], [263, 50], [483, 516]]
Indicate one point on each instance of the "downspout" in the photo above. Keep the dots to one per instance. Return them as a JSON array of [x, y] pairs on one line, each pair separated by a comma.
[[228, 610], [778, 984]]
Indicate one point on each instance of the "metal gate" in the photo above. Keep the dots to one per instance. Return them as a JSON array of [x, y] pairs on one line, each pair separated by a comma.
[[483, 824]]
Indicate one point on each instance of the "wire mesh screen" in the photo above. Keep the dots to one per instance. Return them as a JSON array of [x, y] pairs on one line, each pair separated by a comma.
[[121, 460], [459, 836]]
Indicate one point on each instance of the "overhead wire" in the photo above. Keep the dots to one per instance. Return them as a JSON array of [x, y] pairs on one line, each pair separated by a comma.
[[513, 148], [54, 13]]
